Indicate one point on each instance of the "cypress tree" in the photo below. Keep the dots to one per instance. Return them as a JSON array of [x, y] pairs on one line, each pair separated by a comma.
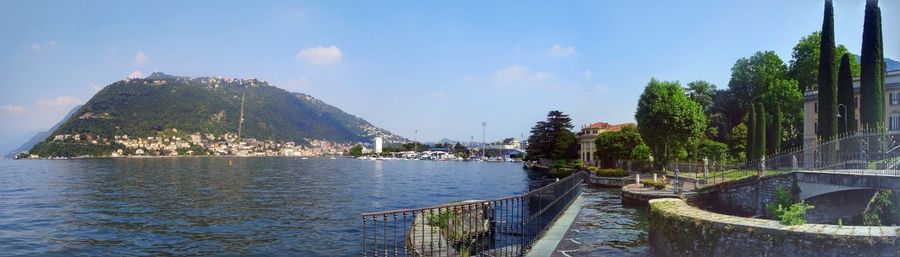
[[847, 122], [776, 129], [760, 147], [871, 80], [827, 87], [751, 133]]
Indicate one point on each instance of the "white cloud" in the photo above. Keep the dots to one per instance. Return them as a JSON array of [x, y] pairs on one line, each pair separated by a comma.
[[521, 75], [136, 74], [601, 89], [140, 58], [59, 101], [12, 109], [321, 55], [37, 46], [560, 51]]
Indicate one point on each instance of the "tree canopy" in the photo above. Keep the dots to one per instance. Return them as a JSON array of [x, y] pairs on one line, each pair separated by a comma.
[[552, 139], [804, 66], [667, 119], [619, 145]]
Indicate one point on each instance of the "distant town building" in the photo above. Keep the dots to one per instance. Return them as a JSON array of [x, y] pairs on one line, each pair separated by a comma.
[[508, 144], [891, 102], [588, 135], [378, 144]]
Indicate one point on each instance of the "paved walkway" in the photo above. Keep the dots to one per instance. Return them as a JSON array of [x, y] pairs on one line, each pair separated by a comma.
[[545, 246]]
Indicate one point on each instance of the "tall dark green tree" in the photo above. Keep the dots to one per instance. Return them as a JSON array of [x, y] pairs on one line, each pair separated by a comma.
[[552, 139], [751, 133], [871, 80], [827, 86], [804, 65], [759, 147], [777, 130], [847, 109]]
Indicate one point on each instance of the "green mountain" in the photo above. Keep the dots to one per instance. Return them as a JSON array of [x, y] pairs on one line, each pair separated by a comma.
[[161, 102]]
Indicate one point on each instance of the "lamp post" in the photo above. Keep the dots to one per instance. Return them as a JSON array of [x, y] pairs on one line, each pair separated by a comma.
[[483, 141], [846, 129]]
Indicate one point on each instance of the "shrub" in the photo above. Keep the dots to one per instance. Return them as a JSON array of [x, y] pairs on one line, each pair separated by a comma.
[[786, 210], [439, 219], [658, 185], [793, 215], [880, 209], [611, 172]]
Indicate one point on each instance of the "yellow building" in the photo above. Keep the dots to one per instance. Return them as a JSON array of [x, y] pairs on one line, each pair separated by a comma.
[[891, 100], [587, 136]]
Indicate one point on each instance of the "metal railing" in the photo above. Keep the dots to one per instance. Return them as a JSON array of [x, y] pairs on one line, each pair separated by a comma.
[[501, 227]]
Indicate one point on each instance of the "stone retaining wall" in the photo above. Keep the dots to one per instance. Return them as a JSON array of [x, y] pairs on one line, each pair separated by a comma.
[[748, 196], [677, 229]]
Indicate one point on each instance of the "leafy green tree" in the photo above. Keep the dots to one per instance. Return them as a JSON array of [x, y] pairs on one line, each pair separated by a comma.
[[759, 146], [737, 142], [701, 92], [804, 65], [641, 152], [667, 119], [872, 69], [847, 122], [356, 150], [784, 94], [827, 95], [713, 150], [552, 139], [618, 145], [751, 78]]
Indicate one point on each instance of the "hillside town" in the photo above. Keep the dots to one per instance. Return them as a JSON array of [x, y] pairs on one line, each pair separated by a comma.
[[172, 143]]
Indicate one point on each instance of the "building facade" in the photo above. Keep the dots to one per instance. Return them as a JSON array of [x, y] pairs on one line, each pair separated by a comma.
[[587, 149], [891, 101]]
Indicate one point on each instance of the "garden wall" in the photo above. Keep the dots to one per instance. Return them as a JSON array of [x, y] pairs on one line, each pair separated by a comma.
[[677, 229]]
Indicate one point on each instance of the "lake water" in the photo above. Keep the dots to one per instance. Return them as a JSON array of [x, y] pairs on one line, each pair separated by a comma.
[[206, 206]]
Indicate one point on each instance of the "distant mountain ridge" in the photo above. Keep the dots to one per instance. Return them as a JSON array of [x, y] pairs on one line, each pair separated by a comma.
[[144, 107], [889, 64], [40, 136]]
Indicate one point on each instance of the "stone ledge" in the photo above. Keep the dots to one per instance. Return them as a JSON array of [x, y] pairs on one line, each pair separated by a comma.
[[678, 229]]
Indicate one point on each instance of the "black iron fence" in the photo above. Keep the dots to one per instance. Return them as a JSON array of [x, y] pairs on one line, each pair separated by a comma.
[[500, 227]]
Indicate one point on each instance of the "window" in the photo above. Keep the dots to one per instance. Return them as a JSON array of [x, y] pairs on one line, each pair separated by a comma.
[[816, 106], [856, 102], [894, 121], [895, 98], [816, 128]]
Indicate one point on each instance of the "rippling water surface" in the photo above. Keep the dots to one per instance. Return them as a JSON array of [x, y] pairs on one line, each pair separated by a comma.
[[605, 227], [204, 206]]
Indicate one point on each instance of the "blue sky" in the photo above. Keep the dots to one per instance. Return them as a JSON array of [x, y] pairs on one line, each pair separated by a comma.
[[440, 67]]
